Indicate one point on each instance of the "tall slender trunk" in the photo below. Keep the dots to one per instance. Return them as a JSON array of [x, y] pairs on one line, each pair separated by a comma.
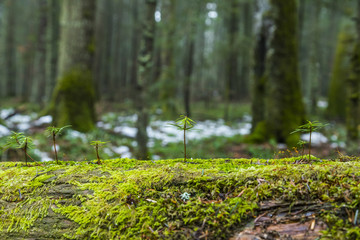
[[352, 120], [188, 74], [145, 69]]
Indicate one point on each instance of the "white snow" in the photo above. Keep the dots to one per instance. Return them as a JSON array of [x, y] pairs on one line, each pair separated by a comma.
[[6, 112], [103, 125], [43, 120], [316, 138], [19, 118], [4, 131], [77, 134], [43, 155], [23, 126], [166, 133], [126, 130], [322, 104]]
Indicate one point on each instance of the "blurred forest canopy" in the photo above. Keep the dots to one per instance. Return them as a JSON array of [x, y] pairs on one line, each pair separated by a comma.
[[285, 56]]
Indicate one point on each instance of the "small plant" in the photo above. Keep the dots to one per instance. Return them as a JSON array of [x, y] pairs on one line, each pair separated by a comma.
[[309, 127], [97, 145], [19, 140], [52, 132], [301, 144], [185, 196], [184, 123]]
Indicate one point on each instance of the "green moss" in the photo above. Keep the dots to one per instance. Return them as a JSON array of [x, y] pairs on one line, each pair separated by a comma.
[[285, 109], [133, 199], [260, 133], [339, 75], [73, 100]]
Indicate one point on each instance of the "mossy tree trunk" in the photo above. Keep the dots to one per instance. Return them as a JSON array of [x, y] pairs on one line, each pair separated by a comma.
[[259, 83], [74, 97], [52, 44], [8, 48], [39, 81], [339, 76], [167, 91], [285, 109], [144, 78], [353, 86], [232, 76]]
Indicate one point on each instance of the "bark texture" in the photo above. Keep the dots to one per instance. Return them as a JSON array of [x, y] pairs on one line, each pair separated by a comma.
[[145, 73], [285, 110], [73, 97]]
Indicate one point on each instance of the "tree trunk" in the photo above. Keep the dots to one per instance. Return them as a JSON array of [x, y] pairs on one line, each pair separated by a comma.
[[8, 38], [352, 120], [74, 97], [167, 78], [232, 24], [285, 107], [339, 75], [39, 81], [52, 46], [145, 70], [188, 74], [259, 85]]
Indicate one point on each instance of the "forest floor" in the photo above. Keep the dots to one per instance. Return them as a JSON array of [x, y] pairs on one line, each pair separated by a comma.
[[211, 138], [240, 199]]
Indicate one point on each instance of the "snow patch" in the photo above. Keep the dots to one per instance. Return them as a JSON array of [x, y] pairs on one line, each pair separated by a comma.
[[316, 138], [43, 120], [43, 155], [4, 131]]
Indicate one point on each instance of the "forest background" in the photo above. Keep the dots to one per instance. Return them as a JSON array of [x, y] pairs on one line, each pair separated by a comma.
[[248, 71]]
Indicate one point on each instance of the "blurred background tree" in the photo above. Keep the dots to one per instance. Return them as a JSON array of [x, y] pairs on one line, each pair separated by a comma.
[[283, 61]]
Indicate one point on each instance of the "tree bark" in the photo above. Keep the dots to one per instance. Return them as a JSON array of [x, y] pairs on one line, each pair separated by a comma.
[[52, 45], [353, 108], [74, 96], [145, 73], [285, 110]]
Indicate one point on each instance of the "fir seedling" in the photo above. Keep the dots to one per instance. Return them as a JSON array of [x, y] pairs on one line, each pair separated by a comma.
[[97, 145], [52, 132], [19, 140], [309, 127], [301, 144], [184, 123]]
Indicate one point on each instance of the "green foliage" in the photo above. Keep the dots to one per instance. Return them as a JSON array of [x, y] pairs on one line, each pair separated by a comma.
[[97, 145], [19, 140], [309, 127], [52, 132], [184, 123]]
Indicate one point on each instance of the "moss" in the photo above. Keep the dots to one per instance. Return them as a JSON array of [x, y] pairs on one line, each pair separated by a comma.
[[73, 100], [260, 133], [339, 75], [285, 109], [133, 199]]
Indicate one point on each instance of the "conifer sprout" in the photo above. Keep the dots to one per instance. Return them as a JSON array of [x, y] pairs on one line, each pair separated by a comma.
[[184, 123], [19, 140], [301, 144], [52, 132], [97, 145], [309, 127]]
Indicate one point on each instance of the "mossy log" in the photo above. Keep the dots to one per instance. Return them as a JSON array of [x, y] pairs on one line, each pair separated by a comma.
[[132, 199]]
